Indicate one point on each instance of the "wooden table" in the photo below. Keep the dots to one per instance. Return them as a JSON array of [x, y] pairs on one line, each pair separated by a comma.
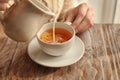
[[101, 60]]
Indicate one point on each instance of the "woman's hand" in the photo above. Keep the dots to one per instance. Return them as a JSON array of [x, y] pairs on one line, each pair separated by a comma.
[[3, 4], [82, 17]]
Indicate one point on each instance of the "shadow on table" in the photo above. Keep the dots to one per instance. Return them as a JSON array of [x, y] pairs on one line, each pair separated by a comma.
[[23, 67]]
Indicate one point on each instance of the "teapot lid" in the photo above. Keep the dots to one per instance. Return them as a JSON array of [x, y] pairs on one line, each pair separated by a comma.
[[41, 7]]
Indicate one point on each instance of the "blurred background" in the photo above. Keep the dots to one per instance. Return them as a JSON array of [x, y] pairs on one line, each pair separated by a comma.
[[107, 11]]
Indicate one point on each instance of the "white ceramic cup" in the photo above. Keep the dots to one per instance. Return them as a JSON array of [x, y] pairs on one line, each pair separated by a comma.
[[56, 49]]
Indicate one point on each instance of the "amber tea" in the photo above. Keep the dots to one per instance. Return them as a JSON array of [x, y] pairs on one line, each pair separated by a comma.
[[61, 35]]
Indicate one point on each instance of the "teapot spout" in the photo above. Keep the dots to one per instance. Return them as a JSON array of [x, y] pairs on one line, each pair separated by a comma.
[[42, 7]]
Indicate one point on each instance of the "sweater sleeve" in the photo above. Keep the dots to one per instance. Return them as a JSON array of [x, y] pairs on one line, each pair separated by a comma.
[[68, 4]]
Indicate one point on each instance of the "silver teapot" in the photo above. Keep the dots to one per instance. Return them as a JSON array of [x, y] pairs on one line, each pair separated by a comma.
[[24, 18]]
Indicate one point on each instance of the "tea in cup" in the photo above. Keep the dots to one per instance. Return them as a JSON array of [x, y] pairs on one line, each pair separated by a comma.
[[64, 38], [61, 35]]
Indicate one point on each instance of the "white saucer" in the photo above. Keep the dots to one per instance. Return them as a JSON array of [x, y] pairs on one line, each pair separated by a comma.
[[72, 56]]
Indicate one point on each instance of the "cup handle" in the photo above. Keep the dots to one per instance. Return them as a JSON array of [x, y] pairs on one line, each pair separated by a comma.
[[68, 23]]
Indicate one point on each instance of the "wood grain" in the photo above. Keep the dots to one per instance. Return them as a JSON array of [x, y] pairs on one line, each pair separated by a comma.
[[7, 49], [101, 60]]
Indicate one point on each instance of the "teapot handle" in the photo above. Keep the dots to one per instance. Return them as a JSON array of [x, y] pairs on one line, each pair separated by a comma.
[[9, 4], [16, 1]]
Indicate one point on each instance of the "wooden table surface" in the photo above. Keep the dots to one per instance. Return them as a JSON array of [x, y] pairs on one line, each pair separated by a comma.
[[101, 60]]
